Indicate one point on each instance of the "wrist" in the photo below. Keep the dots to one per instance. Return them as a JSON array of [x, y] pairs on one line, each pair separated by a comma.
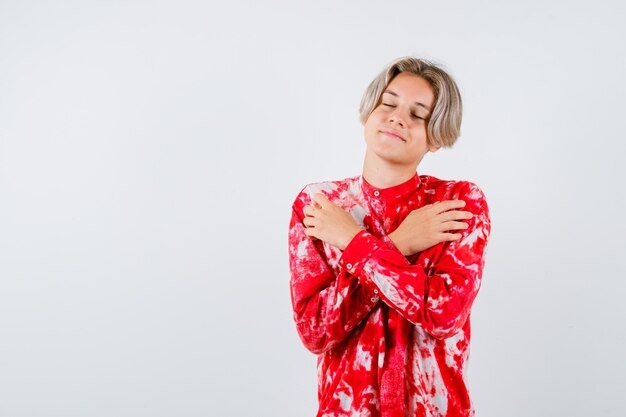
[[399, 243], [349, 237]]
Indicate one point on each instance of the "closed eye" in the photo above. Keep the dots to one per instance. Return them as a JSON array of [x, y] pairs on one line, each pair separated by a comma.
[[413, 115]]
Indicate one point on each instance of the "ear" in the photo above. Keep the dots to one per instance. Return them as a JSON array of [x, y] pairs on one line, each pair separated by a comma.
[[433, 148]]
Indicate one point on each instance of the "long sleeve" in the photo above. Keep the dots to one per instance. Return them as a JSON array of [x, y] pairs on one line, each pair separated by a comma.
[[328, 303], [438, 290]]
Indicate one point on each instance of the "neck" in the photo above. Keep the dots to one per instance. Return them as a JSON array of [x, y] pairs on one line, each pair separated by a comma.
[[383, 174]]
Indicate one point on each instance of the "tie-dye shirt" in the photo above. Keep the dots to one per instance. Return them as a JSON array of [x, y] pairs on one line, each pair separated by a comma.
[[391, 332]]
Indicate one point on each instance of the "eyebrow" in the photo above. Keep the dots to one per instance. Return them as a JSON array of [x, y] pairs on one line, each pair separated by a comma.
[[415, 102]]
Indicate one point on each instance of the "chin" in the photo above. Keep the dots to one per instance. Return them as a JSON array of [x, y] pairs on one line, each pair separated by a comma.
[[392, 157]]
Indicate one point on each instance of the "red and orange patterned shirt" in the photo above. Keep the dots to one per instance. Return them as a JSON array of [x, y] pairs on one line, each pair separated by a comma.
[[391, 332]]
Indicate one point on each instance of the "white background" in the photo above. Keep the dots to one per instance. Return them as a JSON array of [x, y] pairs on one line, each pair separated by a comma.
[[150, 152]]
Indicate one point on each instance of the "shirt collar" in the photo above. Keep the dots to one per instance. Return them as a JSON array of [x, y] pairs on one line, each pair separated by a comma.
[[396, 191]]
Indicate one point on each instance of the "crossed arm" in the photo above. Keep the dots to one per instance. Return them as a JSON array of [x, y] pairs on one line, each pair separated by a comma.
[[437, 296], [422, 228]]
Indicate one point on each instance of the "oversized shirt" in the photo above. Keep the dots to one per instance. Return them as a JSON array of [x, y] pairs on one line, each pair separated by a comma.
[[391, 332]]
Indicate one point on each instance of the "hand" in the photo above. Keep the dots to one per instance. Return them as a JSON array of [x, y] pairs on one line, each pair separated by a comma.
[[327, 221], [430, 225]]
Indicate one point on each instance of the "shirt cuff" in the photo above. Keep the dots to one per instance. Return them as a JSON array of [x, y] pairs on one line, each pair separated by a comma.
[[358, 252], [387, 241]]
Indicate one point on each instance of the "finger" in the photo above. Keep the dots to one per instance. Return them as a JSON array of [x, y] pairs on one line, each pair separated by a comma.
[[449, 237], [456, 215], [446, 205], [321, 200], [312, 233], [309, 211], [452, 225], [310, 221]]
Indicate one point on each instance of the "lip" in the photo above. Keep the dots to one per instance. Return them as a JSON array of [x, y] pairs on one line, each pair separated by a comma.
[[392, 134]]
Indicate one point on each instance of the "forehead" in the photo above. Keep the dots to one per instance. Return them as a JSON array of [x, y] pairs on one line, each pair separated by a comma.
[[412, 88]]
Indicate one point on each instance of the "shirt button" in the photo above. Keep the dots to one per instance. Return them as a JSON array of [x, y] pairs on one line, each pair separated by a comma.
[[376, 292], [374, 299], [349, 266], [376, 193]]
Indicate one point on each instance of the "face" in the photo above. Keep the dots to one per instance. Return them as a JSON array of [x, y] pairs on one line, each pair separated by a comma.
[[395, 132]]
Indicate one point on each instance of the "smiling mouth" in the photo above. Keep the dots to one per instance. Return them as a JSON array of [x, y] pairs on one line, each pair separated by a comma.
[[393, 135]]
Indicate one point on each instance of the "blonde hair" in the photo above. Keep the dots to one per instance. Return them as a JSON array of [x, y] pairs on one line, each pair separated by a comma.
[[444, 123]]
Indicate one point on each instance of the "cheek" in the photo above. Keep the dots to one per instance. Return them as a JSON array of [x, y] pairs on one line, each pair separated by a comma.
[[370, 131], [373, 122], [368, 128]]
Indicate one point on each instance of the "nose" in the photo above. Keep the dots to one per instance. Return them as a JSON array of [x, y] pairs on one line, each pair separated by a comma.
[[396, 117]]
